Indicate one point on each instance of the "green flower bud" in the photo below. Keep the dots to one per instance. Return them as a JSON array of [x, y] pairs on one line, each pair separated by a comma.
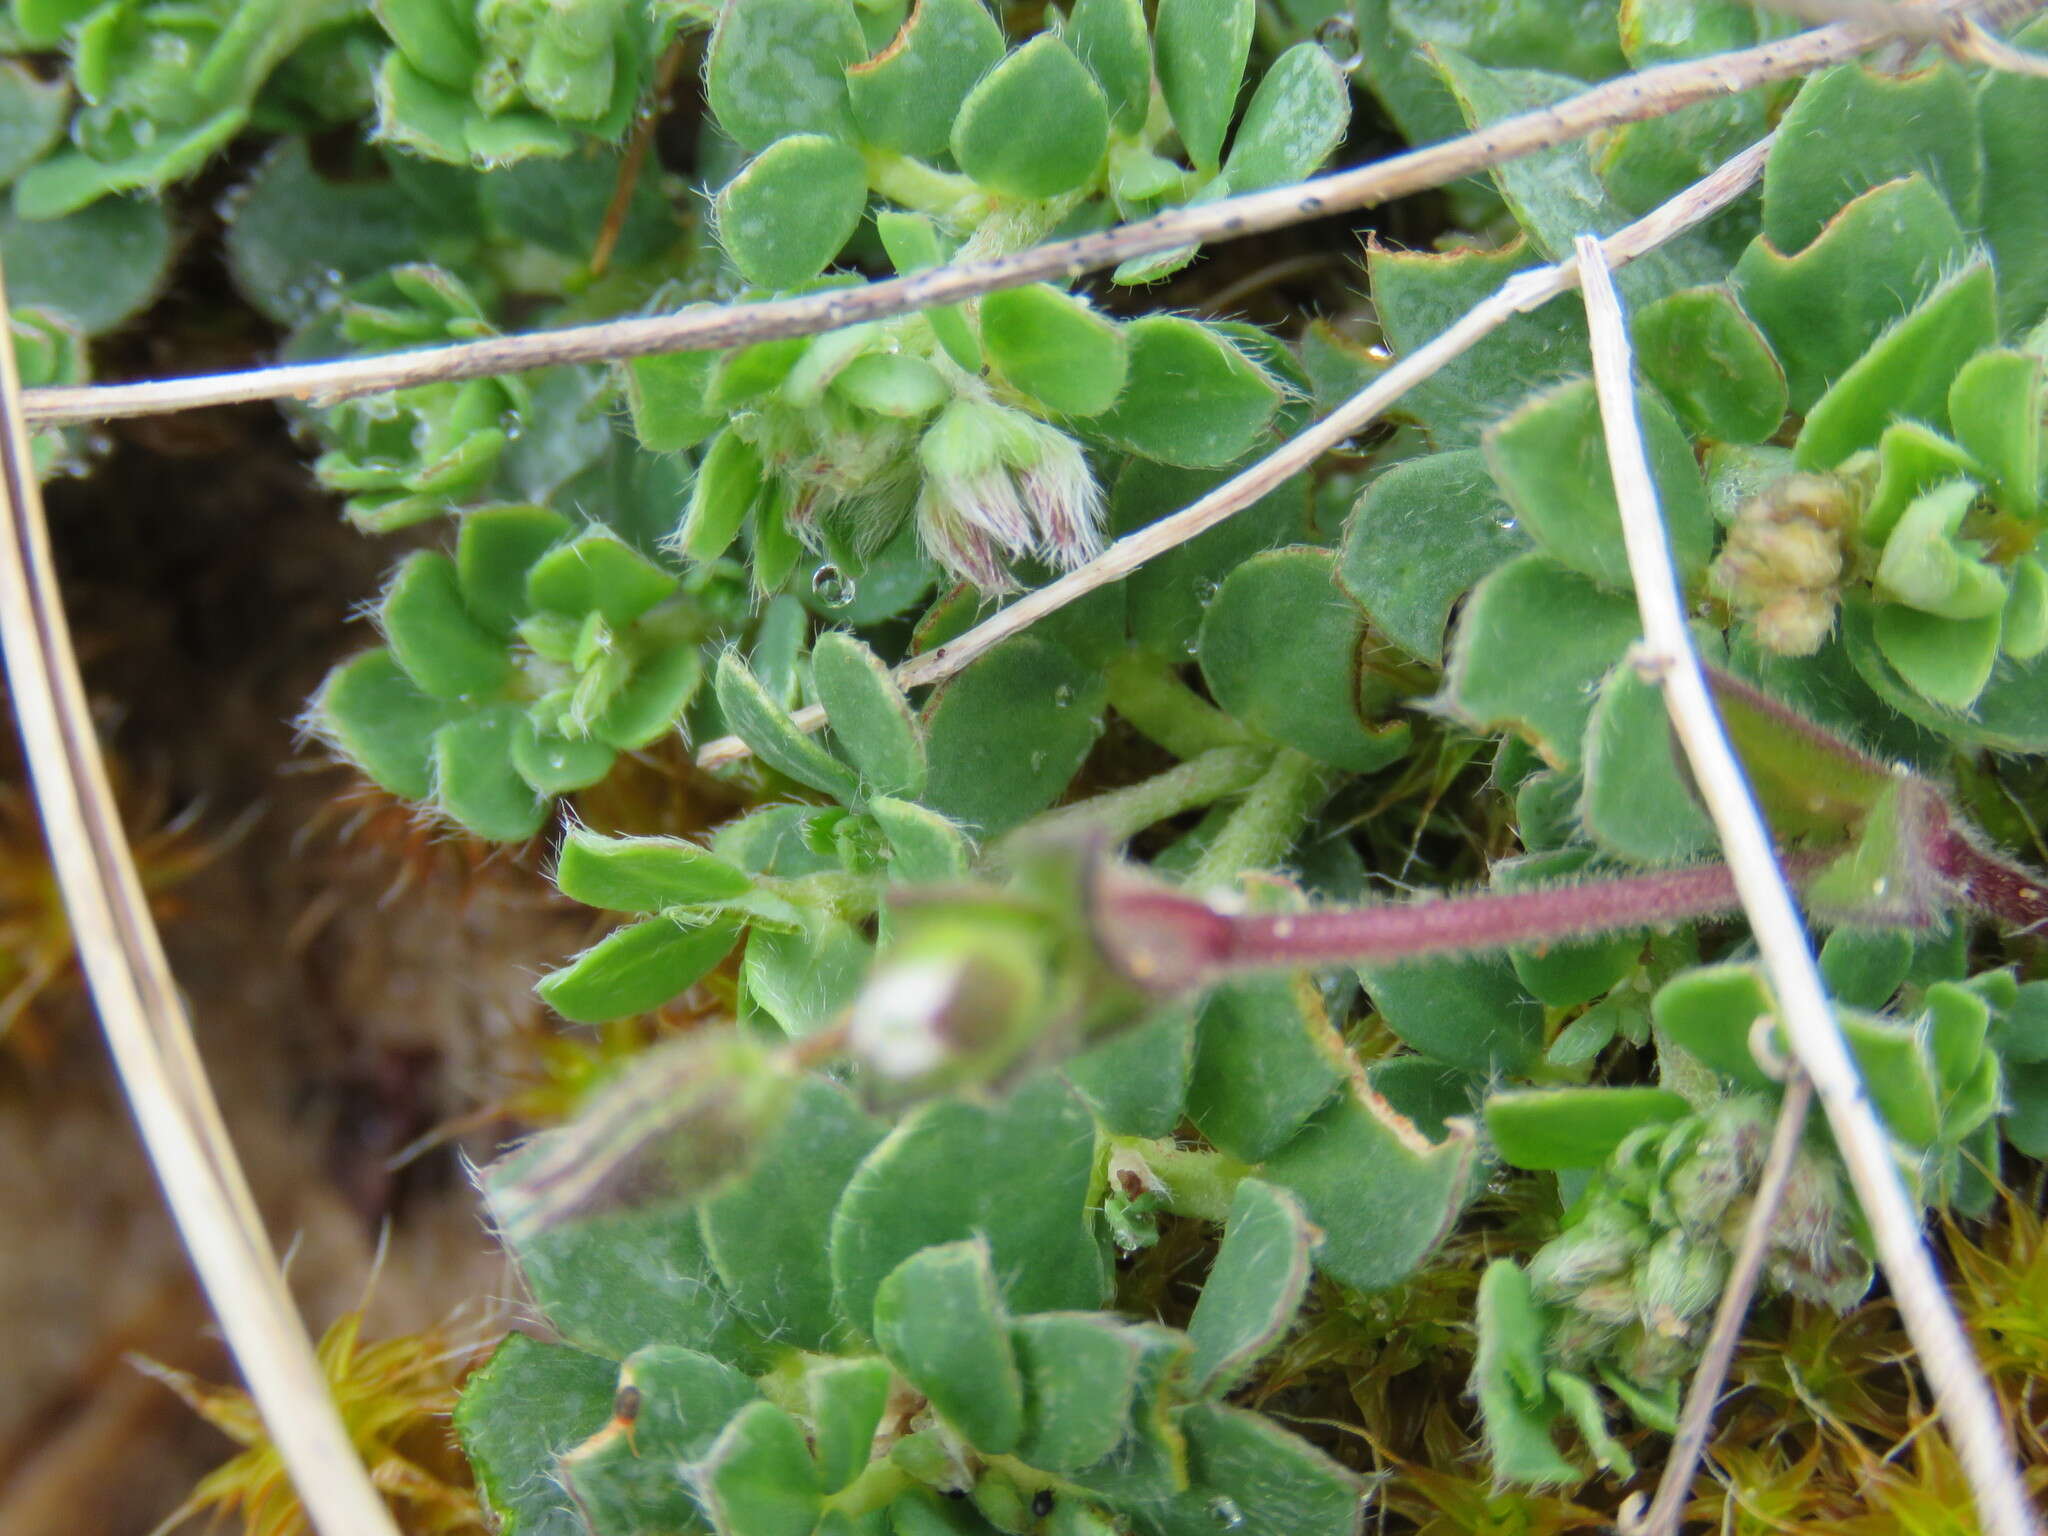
[[957, 1001], [1679, 1281], [1723, 1163], [1605, 1243]]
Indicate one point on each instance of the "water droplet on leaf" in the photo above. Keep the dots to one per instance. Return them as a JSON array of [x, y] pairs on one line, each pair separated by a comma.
[[1339, 38], [1226, 1514], [832, 586]]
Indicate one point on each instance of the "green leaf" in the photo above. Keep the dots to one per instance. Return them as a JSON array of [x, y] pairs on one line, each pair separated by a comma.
[[1281, 647], [1712, 363], [1639, 802], [1266, 1059], [778, 67], [1254, 1288], [1508, 1379], [1016, 1172], [2015, 212], [848, 1398], [1574, 1127], [758, 1478], [1150, 1465], [1550, 461], [1080, 1371], [1471, 1013], [643, 874], [793, 208], [1912, 459], [1193, 398], [994, 136], [2010, 714], [2025, 1118], [1419, 538], [804, 979], [1266, 1481], [1850, 129], [1995, 409], [728, 484], [1418, 295], [1530, 651], [1907, 371], [379, 720], [1006, 736], [1582, 1401], [95, 267], [1877, 258], [892, 384], [653, 699], [1863, 967], [1356, 1143], [767, 1233], [1137, 1081], [1199, 48], [906, 97], [2023, 632], [941, 1323], [624, 1477], [869, 717], [530, 1403], [635, 968], [1708, 1012], [923, 845], [766, 726], [1109, 37], [436, 639], [665, 393], [475, 782], [555, 765], [1923, 567], [493, 552], [598, 572], [32, 114], [1055, 348], [1946, 661], [1297, 118]]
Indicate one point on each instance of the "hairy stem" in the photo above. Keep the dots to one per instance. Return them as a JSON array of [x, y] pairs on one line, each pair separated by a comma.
[[1268, 823], [1123, 813], [1165, 710]]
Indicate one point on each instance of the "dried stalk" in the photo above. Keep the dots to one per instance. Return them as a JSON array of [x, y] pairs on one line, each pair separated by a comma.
[[1666, 655], [1518, 295], [144, 1018], [1630, 98]]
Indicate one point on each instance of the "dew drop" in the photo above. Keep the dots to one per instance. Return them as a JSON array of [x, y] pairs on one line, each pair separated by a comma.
[[1038, 762], [1193, 646], [832, 586], [1339, 38], [511, 426], [1880, 885], [1205, 592], [1063, 696], [1226, 1514], [1506, 524]]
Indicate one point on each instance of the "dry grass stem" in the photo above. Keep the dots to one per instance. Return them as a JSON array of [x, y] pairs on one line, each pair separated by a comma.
[[144, 1018], [1629, 98], [1666, 654]]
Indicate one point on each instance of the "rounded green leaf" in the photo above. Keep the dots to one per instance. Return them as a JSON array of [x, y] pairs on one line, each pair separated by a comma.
[[2015, 203], [1055, 348], [1080, 1370], [1574, 1127], [634, 969], [2024, 633], [1550, 461], [999, 136], [653, 699], [766, 726], [1199, 49], [665, 393], [727, 485], [869, 716], [1712, 363], [1297, 118], [494, 550], [1708, 1012], [1922, 566], [758, 1478], [2009, 714], [1420, 537], [1471, 1013], [941, 1323], [530, 1403], [1281, 648], [555, 765], [778, 67], [905, 97], [1006, 736], [785, 216], [475, 782], [1254, 1288], [1946, 661], [1995, 410], [96, 267], [1639, 802], [597, 572], [892, 384], [1192, 398], [379, 720]]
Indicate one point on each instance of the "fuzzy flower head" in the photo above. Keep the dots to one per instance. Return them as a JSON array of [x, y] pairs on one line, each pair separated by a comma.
[[1782, 564], [1000, 485]]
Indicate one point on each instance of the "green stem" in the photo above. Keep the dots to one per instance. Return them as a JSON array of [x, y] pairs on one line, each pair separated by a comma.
[[954, 200], [1122, 814], [875, 1489], [1266, 824], [1166, 710]]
